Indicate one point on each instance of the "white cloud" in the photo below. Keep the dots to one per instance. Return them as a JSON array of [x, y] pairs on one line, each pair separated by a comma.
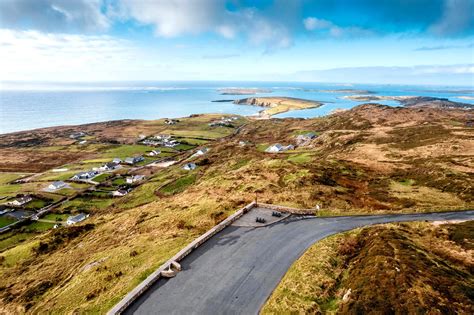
[[30, 55], [53, 15], [172, 18], [312, 23], [457, 16], [333, 30]]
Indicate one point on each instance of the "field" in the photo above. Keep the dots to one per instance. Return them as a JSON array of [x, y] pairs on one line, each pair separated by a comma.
[[424, 268], [363, 161]]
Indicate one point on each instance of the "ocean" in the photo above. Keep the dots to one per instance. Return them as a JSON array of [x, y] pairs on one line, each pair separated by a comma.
[[33, 105]]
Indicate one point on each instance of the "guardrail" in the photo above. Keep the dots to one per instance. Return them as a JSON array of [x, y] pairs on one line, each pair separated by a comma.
[[288, 209], [151, 279]]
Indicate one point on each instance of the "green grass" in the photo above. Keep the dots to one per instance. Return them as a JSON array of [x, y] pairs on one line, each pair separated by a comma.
[[9, 177], [178, 185], [102, 178], [184, 147], [262, 147], [55, 217], [87, 204], [119, 181], [123, 151], [13, 238], [4, 221], [36, 204], [10, 190], [141, 195], [407, 182], [240, 164], [300, 158], [38, 226]]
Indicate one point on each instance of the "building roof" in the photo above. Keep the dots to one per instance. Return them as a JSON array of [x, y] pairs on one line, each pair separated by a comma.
[[77, 218]]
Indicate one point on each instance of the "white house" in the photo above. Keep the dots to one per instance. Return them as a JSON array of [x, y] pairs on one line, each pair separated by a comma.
[[117, 161], [278, 148], [76, 218], [154, 153], [85, 175], [200, 152], [134, 160], [21, 201], [189, 166], [120, 192], [134, 178], [57, 185]]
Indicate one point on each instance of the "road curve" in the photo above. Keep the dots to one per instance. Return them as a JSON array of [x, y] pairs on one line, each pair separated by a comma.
[[236, 271]]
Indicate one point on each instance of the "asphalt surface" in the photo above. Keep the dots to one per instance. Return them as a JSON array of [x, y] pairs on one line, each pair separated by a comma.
[[236, 271]]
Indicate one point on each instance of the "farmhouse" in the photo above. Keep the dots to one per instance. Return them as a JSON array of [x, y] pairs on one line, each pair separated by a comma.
[[134, 160], [120, 192], [76, 218], [21, 201], [77, 135], [171, 121], [85, 175], [154, 153], [305, 138], [278, 148], [200, 152], [189, 166], [117, 161], [57, 185], [109, 166], [134, 178]]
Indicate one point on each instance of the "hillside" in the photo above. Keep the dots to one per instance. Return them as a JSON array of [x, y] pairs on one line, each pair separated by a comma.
[[408, 267], [370, 159]]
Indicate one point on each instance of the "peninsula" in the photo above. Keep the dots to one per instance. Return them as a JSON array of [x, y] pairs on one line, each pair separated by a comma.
[[278, 105]]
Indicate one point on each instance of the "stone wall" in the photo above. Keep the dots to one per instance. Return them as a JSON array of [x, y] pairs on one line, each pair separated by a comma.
[[288, 209]]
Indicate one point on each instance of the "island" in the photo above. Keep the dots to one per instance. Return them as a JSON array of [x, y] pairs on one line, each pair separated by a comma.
[[243, 91], [412, 101], [346, 91], [278, 105]]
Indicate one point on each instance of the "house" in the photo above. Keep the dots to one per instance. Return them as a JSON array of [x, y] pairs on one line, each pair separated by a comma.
[[154, 153], [189, 166], [171, 121], [244, 143], [110, 166], [77, 135], [117, 161], [134, 178], [278, 148], [76, 218], [120, 192], [133, 160], [57, 185], [82, 142], [21, 201], [200, 152], [85, 175], [305, 138]]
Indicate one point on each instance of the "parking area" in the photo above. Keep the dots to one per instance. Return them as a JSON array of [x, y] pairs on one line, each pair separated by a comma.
[[266, 216]]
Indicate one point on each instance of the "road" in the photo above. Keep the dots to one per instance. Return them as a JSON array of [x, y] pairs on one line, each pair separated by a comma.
[[237, 270]]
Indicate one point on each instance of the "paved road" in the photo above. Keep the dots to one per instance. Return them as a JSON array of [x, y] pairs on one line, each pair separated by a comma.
[[237, 270]]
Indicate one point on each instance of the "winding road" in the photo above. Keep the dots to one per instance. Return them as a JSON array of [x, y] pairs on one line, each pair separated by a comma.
[[236, 270]]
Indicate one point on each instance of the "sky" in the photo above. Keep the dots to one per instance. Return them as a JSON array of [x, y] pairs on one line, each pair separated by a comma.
[[363, 41]]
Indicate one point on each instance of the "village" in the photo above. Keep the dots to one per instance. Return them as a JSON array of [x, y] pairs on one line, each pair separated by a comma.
[[67, 200]]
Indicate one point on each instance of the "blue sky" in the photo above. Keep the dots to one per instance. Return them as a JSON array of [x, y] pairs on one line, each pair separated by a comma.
[[364, 41]]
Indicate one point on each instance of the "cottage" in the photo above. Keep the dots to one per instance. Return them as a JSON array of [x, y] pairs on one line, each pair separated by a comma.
[[76, 218], [85, 175], [77, 135], [171, 121], [21, 201], [305, 138], [134, 160], [120, 192], [200, 152], [57, 185], [134, 178], [189, 166], [110, 166], [278, 148], [154, 153], [117, 161]]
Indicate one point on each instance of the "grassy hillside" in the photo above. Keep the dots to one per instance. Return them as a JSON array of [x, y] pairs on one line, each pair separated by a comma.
[[364, 161], [409, 268]]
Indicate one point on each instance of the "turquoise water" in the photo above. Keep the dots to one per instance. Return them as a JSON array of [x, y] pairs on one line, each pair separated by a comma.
[[37, 106]]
